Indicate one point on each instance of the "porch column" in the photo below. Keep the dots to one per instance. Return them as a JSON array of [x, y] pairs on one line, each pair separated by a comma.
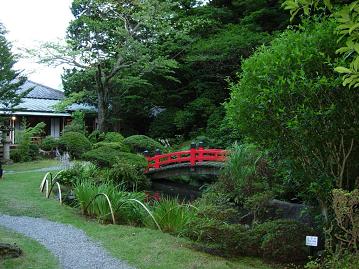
[[55, 127]]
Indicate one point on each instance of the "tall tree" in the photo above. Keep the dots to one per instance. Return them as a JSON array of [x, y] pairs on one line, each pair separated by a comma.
[[10, 79], [115, 41]]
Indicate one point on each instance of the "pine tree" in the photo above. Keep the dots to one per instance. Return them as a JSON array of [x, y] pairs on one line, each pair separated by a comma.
[[10, 79]]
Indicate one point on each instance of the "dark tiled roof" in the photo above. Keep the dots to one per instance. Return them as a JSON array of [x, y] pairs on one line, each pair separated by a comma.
[[47, 105], [40, 91], [42, 99]]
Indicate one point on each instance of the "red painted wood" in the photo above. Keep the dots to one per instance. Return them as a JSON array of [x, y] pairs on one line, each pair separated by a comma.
[[187, 156]]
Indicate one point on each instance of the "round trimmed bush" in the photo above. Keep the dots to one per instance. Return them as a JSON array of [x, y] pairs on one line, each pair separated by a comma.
[[113, 137], [140, 143], [49, 143], [75, 143], [103, 156]]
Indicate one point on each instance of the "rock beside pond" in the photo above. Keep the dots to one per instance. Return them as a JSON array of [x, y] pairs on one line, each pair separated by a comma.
[[9, 251]]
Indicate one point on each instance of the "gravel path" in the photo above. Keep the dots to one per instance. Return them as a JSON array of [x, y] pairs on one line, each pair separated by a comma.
[[70, 245]]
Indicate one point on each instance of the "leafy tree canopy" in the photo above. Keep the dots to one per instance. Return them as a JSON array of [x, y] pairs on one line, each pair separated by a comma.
[[290, 100]]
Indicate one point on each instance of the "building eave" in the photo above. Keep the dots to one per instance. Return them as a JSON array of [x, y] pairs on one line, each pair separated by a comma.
[[34, 113]]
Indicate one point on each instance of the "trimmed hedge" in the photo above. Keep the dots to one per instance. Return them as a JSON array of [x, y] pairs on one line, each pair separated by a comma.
[[115, 145], [113, 137], [49, 143], [75, 143], [106, 156], [140, 143]]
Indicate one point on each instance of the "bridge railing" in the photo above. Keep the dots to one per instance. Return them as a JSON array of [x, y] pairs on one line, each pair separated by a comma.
[[191, 156]]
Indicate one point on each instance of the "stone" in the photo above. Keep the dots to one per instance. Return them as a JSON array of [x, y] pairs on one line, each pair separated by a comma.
[[9, 251]]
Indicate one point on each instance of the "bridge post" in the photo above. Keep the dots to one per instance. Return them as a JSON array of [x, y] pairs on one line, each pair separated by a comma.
[[200, 151], [157, 158], [193, 154]]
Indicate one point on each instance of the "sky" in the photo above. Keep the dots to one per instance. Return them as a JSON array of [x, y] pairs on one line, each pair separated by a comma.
[[29, 22]]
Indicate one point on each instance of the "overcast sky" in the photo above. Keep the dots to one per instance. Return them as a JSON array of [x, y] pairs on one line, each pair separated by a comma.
[[31, 21]]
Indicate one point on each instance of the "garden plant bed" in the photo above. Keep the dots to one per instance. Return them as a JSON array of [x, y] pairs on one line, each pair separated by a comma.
[[141, 247]]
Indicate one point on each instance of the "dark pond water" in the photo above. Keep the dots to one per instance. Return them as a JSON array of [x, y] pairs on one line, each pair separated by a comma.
[[187, 189]]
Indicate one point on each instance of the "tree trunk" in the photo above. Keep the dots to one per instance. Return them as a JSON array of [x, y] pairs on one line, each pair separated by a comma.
[[323, 209], [5, 139], [102, 99], [102, 113]]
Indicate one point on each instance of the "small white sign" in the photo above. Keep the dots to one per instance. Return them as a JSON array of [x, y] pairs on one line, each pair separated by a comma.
[[311, 241]]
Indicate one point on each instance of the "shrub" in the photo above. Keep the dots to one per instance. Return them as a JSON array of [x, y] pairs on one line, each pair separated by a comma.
[[113, 137], [140, 143], [106, 157], [335, 260], [77, 124], [346, 210], [115, 145], [78, 172], [49, 143], [282, 240], [128, 174], [34, 151], [218, 237], [15, 155], [137, 160], [75, 143], [96, 136], [25, 151], [103, 156], [289, 99]]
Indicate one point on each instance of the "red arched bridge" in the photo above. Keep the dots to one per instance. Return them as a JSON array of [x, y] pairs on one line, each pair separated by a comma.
[[187, 162]]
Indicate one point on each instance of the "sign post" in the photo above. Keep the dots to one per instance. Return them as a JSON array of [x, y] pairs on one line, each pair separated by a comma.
[[311, 241]]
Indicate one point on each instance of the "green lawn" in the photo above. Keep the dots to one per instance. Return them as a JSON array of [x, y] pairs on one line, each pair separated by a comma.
[[19, 167], [141, 247], [34, 255]]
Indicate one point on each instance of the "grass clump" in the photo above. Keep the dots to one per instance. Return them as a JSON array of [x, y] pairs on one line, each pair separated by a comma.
[[172, 216], [124, 210]]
